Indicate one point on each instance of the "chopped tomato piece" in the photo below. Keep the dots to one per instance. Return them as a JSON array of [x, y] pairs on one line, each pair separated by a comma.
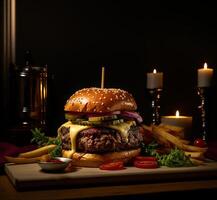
[[118, 165], [146, 158], [145, 164]]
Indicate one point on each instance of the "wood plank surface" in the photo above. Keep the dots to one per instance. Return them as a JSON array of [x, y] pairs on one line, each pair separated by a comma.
[[29, 176], [7, 191]]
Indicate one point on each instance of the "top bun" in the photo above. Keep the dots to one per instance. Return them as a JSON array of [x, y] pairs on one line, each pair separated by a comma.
[[98, 100]]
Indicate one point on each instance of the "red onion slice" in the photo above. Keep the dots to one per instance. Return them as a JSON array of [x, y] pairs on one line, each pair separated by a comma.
[[134, 115]]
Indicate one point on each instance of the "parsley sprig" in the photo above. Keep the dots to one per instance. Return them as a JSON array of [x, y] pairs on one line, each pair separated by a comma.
[[176, 157], [41, 139]]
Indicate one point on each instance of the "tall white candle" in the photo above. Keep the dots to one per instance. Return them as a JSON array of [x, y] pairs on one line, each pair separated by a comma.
[[204, 76], [154, 80]]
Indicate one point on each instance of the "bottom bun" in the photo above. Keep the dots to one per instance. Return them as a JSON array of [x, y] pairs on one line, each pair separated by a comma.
[[95, 160]]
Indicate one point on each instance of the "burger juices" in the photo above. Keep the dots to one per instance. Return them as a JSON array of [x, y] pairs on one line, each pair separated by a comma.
[[102, 127]]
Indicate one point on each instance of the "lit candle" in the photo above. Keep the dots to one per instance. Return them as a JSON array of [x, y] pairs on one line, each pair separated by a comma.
[[184, 122], [204, 76], [154, 80]]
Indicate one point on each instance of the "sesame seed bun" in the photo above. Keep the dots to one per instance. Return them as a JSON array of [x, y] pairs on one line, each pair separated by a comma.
[[97, 100]]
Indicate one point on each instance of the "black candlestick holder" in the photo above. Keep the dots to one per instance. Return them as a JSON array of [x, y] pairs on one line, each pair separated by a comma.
[[202, 92], [155, 105]]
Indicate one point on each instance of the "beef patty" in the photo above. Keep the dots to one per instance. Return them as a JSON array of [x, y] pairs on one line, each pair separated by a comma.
[[102, 140]]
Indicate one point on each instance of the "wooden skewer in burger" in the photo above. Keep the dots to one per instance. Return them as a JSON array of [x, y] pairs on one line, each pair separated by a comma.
[[103, 126]]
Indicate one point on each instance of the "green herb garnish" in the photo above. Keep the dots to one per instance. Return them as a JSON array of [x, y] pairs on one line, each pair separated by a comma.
[[39, 137], [176, 157], [42, 140], [150, 149]]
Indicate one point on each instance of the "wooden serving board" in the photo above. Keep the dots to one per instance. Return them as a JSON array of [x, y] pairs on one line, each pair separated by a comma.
[[30, 176]]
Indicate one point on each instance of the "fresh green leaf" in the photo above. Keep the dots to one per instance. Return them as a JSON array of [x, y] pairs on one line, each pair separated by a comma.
[[149, 149], [42, 140], [39, 137], [176, 157]]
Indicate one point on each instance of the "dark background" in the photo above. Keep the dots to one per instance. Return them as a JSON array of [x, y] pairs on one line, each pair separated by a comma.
[[1, 53], [130, 39]]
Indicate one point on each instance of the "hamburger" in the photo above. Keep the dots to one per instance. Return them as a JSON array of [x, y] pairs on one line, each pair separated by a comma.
[[102, 126]]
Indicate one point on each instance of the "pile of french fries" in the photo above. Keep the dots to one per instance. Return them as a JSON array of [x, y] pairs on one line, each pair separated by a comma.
[[40, 154], [172, 136]]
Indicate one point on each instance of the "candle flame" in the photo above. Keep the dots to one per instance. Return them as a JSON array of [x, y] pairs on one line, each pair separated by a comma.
[[177, 113], [205, 66], [154, 71]]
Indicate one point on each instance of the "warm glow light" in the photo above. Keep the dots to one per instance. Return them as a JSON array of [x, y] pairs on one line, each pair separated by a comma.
[[177, 113], [154, 71], [205, 66]]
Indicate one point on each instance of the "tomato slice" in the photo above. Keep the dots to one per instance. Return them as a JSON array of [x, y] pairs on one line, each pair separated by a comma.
[[145, 164], [146, 158], [118, 165]]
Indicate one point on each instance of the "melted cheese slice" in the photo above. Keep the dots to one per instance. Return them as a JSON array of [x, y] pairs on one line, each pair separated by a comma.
[[122, 128]]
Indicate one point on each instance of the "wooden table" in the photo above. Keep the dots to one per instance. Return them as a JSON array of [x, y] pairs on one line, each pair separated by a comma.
[[7, 191]]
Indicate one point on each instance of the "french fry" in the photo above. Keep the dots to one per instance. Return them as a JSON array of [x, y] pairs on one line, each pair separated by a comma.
[[196, 161], [193, 148], [38, 152], [45, 157], [171, 138], [18, 160], [174, 130], [185, 141], [196, 155], [21, 160], [161, 140]]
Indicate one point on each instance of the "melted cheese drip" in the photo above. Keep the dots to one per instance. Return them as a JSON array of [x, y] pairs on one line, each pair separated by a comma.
[[74, 129], [123, 129]]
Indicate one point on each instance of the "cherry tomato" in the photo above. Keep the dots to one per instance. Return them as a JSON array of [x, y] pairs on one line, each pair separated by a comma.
[[118, 165], [145, 158], [145, 164], [199, 142]]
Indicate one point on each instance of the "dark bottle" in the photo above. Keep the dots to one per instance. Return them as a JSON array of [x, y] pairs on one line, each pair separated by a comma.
[[24, 89]]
